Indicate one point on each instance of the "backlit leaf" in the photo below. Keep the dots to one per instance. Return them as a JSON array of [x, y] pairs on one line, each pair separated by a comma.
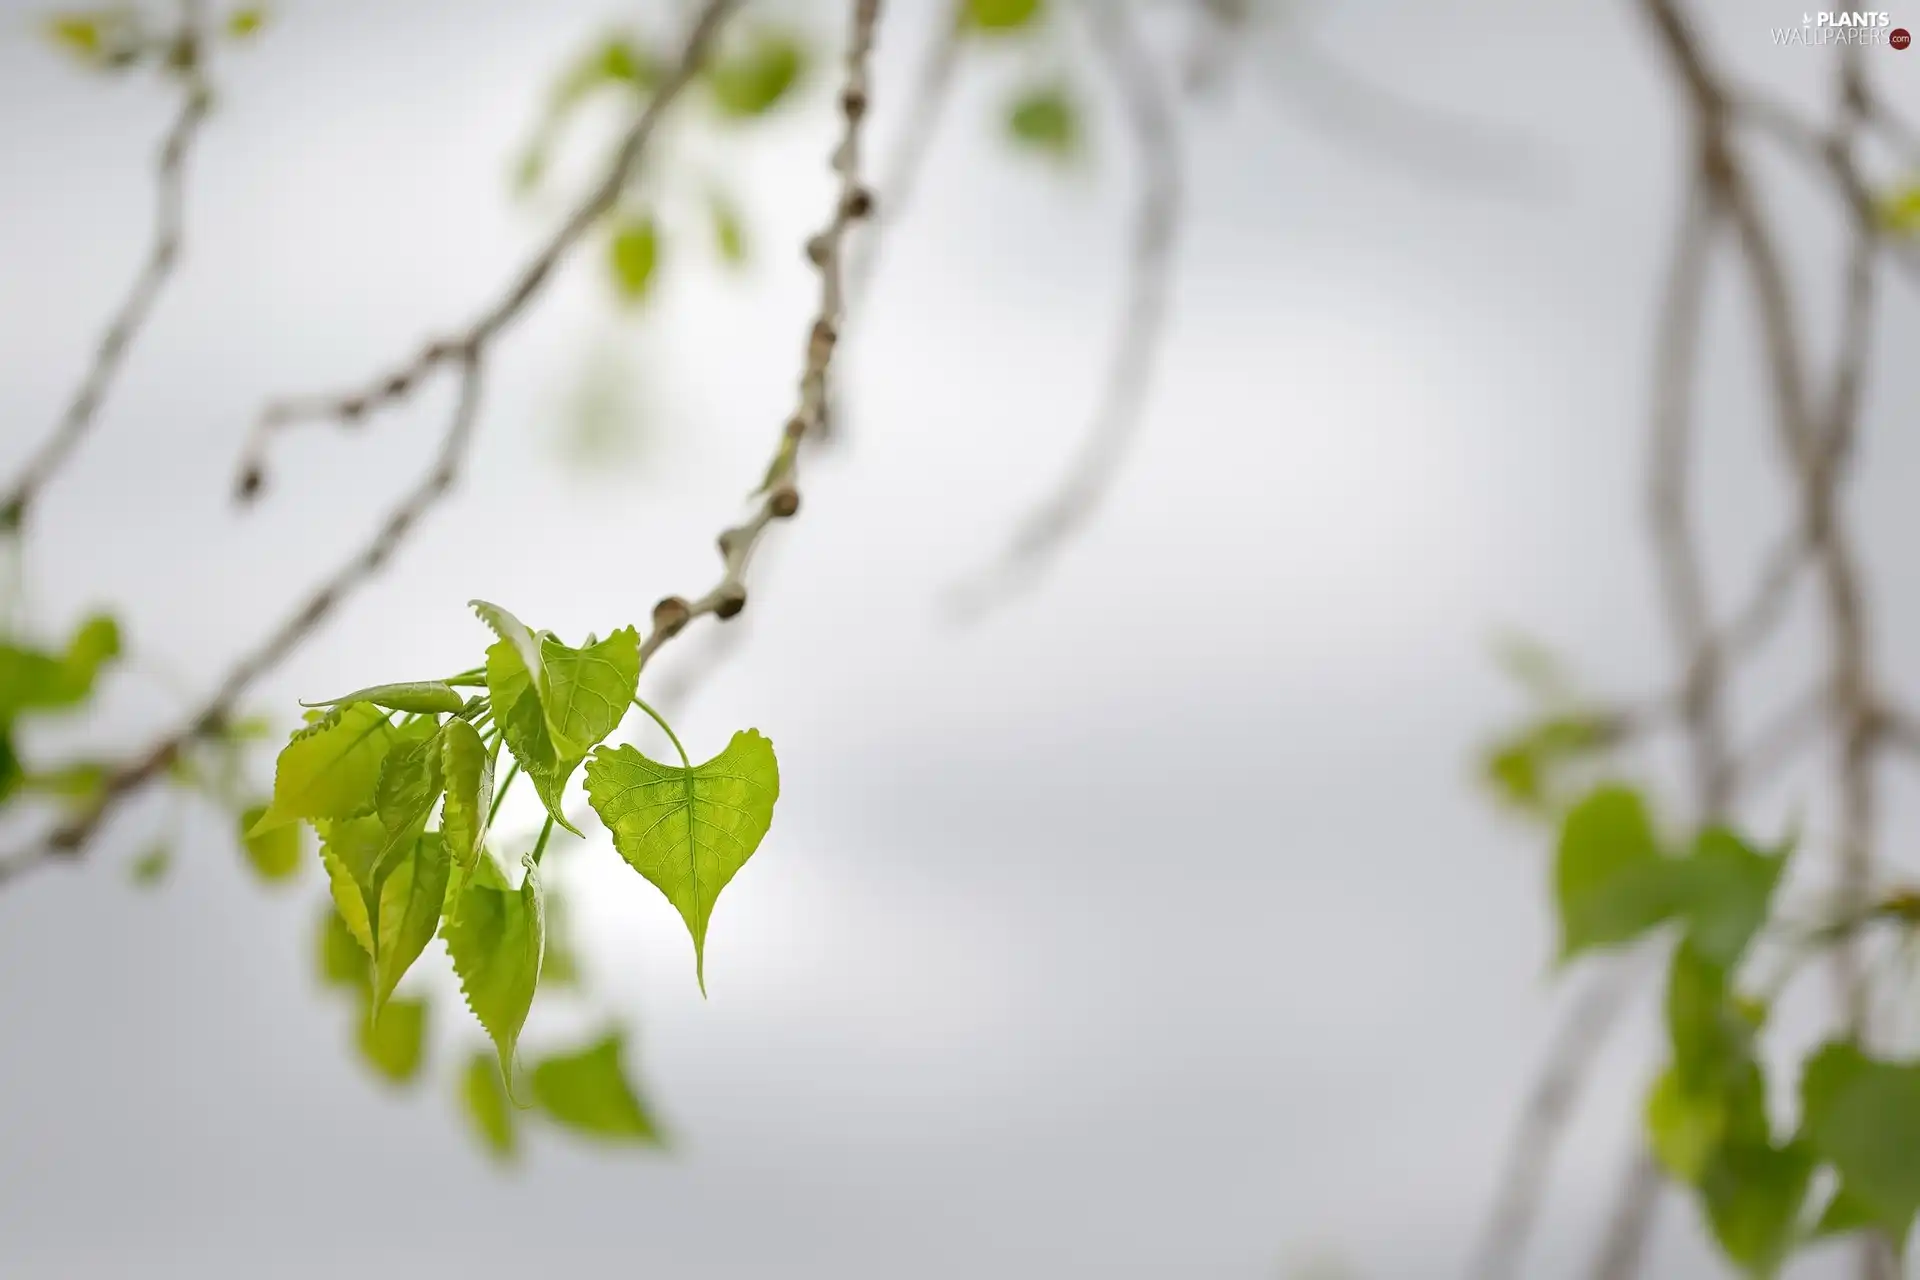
[[274, 854], [411, 900], [588, 1092], [331, 767], [467, 767], [688, 830], [410, 783], [496, 941], [419, 696], [589, 689], [349, 850], [518, 710], [516, 633], [484, 1100]]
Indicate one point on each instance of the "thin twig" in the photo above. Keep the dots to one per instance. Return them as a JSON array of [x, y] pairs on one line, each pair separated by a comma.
[[1122, 407], [163, 253], [467, 356], [780, 493]]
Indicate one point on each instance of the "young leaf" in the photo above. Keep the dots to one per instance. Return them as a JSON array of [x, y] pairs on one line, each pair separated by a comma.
[[521, 715], [349, 850], [753, 80], [517, 634], [1045, 119], [33, 680], [424, 697], [999, 15], [588, 1092], [1611, 881], [274, 853], [484, 1099], [633, 252], [589, 690], [330, 768], [1730, 888], [411, 900], [467, 767], [1863, 1117], [342, 961], [410, 782], [1753, 1192], [496, 940], [393, 1041], [246, 22], [688, 830]]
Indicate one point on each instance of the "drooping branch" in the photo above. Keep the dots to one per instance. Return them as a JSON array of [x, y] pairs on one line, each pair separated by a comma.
[[779, 491], [187, 54], [466, 355], [1121, 409]]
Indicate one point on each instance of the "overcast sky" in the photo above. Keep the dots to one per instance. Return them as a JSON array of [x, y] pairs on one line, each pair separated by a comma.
[[1152, 927]]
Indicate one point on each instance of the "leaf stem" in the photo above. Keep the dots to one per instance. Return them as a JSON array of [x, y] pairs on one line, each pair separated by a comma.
[[671, 736], [540, 846], [501, 794]]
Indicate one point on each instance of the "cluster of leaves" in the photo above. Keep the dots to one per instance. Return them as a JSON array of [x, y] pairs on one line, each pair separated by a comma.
[[757, 69], [398, 783], [119, 37]]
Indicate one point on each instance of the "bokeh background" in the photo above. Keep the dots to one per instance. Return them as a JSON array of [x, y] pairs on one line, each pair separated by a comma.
[[1152, 927]]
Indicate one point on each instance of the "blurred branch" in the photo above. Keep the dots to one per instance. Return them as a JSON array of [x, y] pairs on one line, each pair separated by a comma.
[[827, 250], [186, 55], [466, 355], [1122, 406]]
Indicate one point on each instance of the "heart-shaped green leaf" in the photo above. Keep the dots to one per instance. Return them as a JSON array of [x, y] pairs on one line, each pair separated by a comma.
[[330, 768], [589, 690], [424, 697], [496, 940], [688, 830], [411, 899], [588, 1092], [1611, 880], [1863, 1116]]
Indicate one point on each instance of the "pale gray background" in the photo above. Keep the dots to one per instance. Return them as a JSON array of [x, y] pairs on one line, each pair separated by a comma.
[[1153, 928]]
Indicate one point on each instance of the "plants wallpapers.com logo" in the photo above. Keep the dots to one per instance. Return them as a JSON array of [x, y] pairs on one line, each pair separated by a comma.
[[1844, 27]]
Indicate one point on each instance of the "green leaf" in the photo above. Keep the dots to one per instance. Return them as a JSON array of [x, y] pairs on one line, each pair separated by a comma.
[[1523, 769], [999, 15], [1845, 1213], [1684, 1130], [33, 680], [561, 965], [1712, 1034], [1611, 881], [522, 718], [496, 940], [349, 850], [633, 251], [616, 60], [151, 867], [331, 767], [1863, 1117], [393, 1041], [79, 784], [242, 23], [1045, 119], [410, 782], [753, 79], [423, 697], [1899, 210], [467, 767], [1753, 1192], [588, 1093], [274, 854], [1730, 889], [688, 830], [517, 634], [729, 235], [589, 689], [411, 900], [484, 1099], [342, 961]]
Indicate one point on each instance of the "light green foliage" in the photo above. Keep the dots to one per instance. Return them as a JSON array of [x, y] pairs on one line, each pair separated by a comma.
[[633, 251], [419, 696], [729, 233], [1525, 769], [106, 37], [560, 967], [496, 941], [484, 1100], [688, 830], [1862, 1116], [1729, 890], [246, 22], [34, 680], [350, 850], [1899, 210], [467, 768], [588, 1092], [331, 767], [1044, 118], [589, 689], [999, 15], [340, 957], [393, 1041], [1611, 881], [410, 903], [755, 74], [151, 867], [410, 783], [274, 854]]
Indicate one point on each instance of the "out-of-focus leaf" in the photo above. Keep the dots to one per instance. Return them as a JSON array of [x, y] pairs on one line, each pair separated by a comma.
[[729, 235], [245, 22], [274, 854], [999, 15], [1863, 1116], [483, 1098], [1753, 1192], [151, 867], [393, 1041], [1523, 768], [753, 77], [588, 1092], [688, 831], [1729, 891], [633, 251], [342, 961], [34, 680], [1611, 881], [1899, 210], [561, 965], [1044, 118]]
